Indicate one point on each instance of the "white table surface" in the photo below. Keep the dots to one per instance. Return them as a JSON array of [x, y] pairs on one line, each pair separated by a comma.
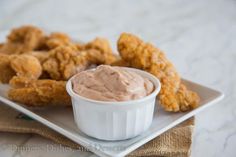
[[199, 37]]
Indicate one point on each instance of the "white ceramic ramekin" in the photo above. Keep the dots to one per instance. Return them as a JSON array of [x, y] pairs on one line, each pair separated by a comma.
[[114, 120]]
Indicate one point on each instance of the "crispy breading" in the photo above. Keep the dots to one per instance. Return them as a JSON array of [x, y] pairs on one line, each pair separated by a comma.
[[121, 62], [97, 57], [42, 56], [26, 65], [35, 93], [22, 40], [65, 61], [1, 45], [174, 96], [100, 51], [5, 69], [54, 40], [57, 39], [21, 82], [20, 65]]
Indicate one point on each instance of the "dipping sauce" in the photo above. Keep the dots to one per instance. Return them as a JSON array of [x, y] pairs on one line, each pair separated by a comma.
[[111, 83]]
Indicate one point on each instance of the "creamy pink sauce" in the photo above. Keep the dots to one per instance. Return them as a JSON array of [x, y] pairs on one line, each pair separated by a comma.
[[110, 83]]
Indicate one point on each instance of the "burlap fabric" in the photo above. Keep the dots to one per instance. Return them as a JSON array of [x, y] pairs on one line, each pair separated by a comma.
[[175, 142]]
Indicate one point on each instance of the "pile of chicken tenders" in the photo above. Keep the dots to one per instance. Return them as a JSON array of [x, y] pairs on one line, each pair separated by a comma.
[[37, 65]]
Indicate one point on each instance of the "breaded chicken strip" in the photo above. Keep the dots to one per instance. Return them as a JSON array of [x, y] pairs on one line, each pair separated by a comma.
[[42, 56], [5, 69], [120, 62], [57, 39], [22, 40], [65, 61], [20, 65], [54, 40], [26, 65], [100, 51], [174, 96], [36, 93]]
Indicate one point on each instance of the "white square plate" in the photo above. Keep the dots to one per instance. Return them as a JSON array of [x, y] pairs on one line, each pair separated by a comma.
[[61, 120]]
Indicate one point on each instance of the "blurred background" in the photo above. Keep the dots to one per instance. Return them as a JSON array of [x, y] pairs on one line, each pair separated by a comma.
[[199, 37]]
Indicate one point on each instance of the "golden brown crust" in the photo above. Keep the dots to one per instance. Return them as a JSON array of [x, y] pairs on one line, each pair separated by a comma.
[[100, 52], [5, 69], [26, 65], [174, 96], [39, 92], [65, 61], [42, 56], [55, 40], [20, 82], [22, 40], [1, 45], [121, 62], [20, 65]]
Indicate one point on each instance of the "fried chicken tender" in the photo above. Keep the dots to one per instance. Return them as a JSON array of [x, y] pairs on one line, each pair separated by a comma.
[[5, 69], [57, 39], [174, 96], [42, 56], [1, 45], [120, 62], [22, 40], [54, 40], [35, 93], [20, 65], [100, 52], [65, 61], [26, 65]]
